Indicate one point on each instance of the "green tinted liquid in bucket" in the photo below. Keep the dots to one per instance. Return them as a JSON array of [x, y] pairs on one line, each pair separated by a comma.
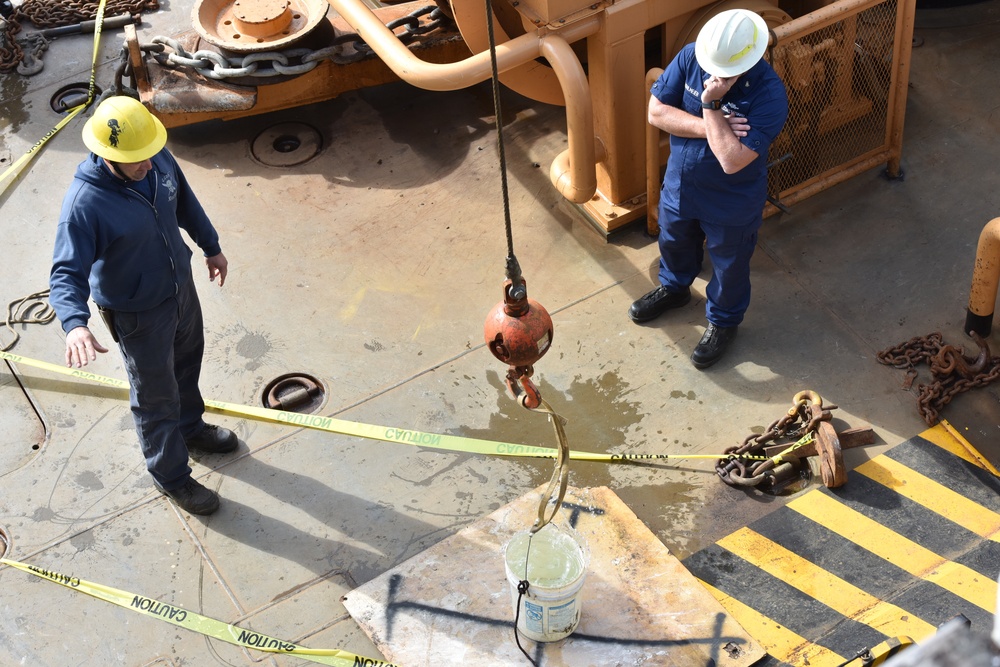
[[550, 610]]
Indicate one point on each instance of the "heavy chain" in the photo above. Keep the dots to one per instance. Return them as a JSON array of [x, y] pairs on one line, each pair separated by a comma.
[[54, 14], [11, 52], [797, 422], [345, 48], [953, 372]]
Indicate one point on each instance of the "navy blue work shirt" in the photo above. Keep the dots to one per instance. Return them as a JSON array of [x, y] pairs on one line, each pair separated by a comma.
[[694, 185]]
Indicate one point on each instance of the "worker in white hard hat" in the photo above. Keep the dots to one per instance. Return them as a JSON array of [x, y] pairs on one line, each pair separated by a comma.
[[722, 105], [119, 241]]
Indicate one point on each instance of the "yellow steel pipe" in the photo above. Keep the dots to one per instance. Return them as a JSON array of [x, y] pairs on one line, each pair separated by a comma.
[[820, 18], [985, 278], [573, 173], [448, 76]]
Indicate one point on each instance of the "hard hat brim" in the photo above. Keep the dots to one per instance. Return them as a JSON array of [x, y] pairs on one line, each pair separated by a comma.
[[118, 155], [702, 51]]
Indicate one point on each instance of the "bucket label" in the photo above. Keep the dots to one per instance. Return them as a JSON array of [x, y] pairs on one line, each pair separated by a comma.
[[563, 617], [533, 617]]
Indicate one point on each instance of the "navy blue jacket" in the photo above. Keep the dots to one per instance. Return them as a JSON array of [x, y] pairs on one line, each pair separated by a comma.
[[124, 248], [694, 185]]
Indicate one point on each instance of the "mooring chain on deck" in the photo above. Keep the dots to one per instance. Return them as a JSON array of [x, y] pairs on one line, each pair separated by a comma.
[[953, 372], [794, 427], [53, 14], [292, 61]]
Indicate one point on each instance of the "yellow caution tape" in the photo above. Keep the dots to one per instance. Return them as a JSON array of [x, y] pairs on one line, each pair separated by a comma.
[[31, 152], [195, 622], [798, 444], [375, 432]]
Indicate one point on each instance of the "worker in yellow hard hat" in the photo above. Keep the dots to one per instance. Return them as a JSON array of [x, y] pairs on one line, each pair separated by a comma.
[[119, 241], [722, 105]]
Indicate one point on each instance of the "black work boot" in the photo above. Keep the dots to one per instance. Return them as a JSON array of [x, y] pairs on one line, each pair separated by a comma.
[[213, 440], [712, 345], [653, 304], [192, 497]]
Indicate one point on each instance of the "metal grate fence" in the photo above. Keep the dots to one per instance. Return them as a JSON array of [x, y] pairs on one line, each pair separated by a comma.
[[841, 67]]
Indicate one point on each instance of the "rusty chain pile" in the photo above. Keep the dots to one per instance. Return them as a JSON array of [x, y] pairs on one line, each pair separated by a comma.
[[953, 372], [798, 422], [294, 61], [54, 14]]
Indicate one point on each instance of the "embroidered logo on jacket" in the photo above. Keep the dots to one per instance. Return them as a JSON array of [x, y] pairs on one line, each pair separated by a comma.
[[168, 183]]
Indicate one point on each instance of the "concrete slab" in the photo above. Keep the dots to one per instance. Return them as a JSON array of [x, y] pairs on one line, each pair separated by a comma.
[[452, 603]]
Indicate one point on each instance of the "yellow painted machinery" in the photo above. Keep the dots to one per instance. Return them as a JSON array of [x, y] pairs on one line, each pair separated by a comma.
[[845, 64]]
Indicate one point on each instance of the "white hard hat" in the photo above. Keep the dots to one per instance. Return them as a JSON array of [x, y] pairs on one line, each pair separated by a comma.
[[731, 42]]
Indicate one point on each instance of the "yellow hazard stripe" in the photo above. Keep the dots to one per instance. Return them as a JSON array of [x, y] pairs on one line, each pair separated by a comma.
[[33, 151], [197, 623], [947, 438], [823, 586], [898, 550], [777, 640], [934, 496], [372, 431]]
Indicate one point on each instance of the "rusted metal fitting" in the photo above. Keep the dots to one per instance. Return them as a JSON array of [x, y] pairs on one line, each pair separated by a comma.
[[256, 25], [522, 388], [292, 392]]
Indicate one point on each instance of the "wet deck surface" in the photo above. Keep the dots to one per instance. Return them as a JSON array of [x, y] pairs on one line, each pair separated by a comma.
[[372, 267]]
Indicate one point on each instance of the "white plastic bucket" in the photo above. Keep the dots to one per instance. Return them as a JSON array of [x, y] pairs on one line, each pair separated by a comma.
[[557, 566]]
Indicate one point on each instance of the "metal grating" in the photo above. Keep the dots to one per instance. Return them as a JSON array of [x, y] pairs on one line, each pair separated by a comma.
[[839, 79]]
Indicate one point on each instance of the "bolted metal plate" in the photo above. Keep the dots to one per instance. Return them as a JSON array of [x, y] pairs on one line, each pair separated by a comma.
[[287, 144], [294, 392], [245, 26]]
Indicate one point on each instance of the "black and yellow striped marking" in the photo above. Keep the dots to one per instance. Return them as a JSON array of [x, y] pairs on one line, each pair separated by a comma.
[[910, 541]]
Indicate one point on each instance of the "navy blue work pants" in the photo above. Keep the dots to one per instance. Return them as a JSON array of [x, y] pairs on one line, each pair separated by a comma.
[[162, 348], [683, 242]]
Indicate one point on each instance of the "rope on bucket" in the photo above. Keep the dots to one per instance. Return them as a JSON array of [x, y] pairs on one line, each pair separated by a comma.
[[559, 480], [522, 590]]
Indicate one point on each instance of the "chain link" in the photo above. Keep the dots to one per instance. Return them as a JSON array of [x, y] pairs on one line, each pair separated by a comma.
[[797, 422], [53, 14], [952, 371], [295, 61], [56, 13]]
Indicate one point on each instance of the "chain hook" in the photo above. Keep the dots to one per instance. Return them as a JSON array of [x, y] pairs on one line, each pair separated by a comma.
[[522, 388]]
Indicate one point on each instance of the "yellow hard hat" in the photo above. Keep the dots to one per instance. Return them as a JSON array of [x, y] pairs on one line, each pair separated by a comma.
[[123, 130], [731, 42]]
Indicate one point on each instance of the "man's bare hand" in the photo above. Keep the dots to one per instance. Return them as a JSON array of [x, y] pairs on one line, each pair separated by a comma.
[[739, 125], [217, 266], [82, 347]]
